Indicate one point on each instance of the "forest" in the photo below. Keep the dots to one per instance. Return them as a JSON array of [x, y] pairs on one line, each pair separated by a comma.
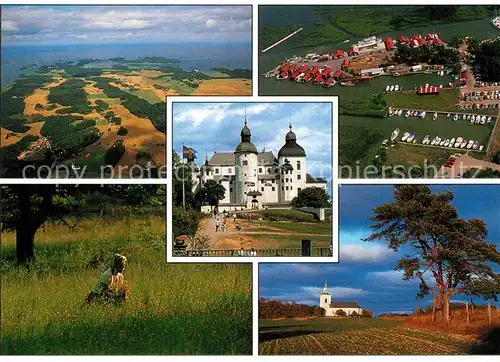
[[277, 309], [487, 60], [71, 93], [235, 73]]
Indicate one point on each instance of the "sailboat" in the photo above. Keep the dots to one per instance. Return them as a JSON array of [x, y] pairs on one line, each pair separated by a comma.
[[434, 116]]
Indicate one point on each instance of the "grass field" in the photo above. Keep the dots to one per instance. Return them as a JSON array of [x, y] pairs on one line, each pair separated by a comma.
[[363, 336], [172, 309], [291, 241]]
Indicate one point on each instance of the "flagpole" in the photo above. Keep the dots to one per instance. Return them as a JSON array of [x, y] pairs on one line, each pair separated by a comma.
[[183, 181]]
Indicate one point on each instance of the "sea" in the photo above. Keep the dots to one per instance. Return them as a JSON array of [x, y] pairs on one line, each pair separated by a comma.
[[193, 55]]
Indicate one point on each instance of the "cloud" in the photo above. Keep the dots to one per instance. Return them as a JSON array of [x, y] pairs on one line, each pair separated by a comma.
[[82, 36], [337, 292], [156, 23], [357, 253], [210, 23]]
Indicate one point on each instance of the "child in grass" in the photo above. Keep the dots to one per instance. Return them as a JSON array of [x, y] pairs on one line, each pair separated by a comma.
[[111, 284]]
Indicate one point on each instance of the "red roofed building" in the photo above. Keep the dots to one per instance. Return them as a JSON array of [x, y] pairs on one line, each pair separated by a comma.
[[294, 75], [303, 68], [345, 63], [337, 74], [326, 72], [389, 44], [403, 39], [306, 77], [315, 70], [284, 68], [353, 51], [339, 54], [318, 79]]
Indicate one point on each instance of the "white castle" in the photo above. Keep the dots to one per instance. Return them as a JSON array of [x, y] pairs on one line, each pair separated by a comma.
[[257, 180], [325, 302]]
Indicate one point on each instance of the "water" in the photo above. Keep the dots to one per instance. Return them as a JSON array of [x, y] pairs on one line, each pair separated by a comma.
[[268, 86], [201, 56]]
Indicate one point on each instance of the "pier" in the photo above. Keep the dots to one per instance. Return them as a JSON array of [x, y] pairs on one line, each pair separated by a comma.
[[282, 40]]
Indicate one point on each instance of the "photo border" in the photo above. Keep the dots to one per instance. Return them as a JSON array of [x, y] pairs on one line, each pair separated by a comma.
[[334, 182]]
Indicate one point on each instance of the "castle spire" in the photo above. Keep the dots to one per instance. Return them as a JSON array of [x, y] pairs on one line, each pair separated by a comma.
[[245, 116], [290, 122]]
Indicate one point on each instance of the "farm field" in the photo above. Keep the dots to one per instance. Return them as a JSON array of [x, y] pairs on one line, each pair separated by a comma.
[[172, 309], [224, 87], [361, 336]]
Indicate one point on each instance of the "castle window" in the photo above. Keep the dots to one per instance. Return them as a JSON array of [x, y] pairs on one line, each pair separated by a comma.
[[230, 189], [260, 169], [291, 188], [245, 163], [261, 189], [326, 301], [299, 177], [229, 170], [282, 188], [269, 170], [274, 188], [217, 170], [272, 181], [298, 165]]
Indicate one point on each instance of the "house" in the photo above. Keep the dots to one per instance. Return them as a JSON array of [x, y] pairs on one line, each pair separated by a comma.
[[389, 44], [337, 74], [338, 54], [345, 64], [331, 307]]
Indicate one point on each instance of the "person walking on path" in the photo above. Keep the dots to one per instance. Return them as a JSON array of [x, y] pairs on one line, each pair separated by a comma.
[[217, 225]]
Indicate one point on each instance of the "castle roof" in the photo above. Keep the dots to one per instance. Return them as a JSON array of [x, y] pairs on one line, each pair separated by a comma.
[[228, 159], [291, 148], [246, 145]]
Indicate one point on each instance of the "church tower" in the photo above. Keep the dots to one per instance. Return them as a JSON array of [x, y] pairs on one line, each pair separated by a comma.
[[246, 161], [325, 298]]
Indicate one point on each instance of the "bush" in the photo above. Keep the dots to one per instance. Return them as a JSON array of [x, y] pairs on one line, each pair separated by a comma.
[[122, 131], [354, 314], [184, 222], [340, 313], [278, 215]]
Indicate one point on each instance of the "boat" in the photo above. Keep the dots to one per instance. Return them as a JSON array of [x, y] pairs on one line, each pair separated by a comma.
[[464, 143], [469, 144], [448, 115], [407, 114], [400, 112], [426, 140], [446, 142], [481, 148], [346, 83], [391, 88], [464, 116], [483, 119], [452, 142], [441, 143], [391, 112], [387, 87], [478, 119], [435, 116], [472, 119], [396, 88], [468, 117], [455, 117], [405, 136], [422, 115], [475, 145], [433, 142], [410, 137], [394, 134], [458, 142], [488, 120]]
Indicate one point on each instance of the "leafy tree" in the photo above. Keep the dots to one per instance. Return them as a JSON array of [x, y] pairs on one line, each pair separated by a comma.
[[487, 60], [311, 197], [366, 313], [211, 193], [340, 313], [114, 153], [447, 254], [354, 314], [184, 222], [122, 131]]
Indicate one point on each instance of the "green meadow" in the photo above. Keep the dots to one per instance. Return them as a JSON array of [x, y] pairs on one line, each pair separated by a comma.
[[172, 309]]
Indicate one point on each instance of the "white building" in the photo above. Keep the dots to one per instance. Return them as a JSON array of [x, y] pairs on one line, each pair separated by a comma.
[[325, 302], [257, 180]]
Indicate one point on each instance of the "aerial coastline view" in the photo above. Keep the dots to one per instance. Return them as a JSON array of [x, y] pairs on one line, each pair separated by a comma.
[[84, 87], [418, 86]]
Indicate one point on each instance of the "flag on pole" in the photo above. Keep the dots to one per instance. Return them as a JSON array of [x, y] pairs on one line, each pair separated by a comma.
[[188, 153]]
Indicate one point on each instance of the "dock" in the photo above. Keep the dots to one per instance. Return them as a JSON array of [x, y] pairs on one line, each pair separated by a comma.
[[282, 40]]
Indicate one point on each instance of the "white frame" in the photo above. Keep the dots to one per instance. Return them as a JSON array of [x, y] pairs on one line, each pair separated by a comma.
[[237, 259]]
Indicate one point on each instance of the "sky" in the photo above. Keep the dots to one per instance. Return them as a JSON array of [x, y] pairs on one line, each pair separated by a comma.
[[57, 25], [365, 273], [208, 126]]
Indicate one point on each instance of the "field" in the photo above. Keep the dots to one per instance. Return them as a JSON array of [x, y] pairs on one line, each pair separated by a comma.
[[332, 336], [172, 309], [224, 87]]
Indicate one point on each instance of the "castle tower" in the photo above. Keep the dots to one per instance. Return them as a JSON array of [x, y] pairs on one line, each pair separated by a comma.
[[325, 298], [246, 161], [292, 163]]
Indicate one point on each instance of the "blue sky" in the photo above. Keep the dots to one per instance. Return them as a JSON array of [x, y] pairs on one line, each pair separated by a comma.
[[52, 25], [209, 126], [365, 272]]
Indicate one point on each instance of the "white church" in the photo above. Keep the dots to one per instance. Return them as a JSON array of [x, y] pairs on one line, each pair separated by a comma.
[[325, 302], [259, 180]]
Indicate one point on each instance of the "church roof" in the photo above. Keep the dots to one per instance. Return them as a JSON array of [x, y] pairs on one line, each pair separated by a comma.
[[291, 148], [228, 159], [344, 305]]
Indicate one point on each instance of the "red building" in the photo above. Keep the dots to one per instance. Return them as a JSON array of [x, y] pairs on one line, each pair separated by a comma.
[[345, 63], [389, 44], [338, 54], [337, 74]]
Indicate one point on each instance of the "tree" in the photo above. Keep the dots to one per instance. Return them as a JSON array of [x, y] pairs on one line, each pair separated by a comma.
[[354, 314], [311, 197], [340, 313], [496, 158], [447, 254], [25, 208], [366, 313], [211, 193]]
